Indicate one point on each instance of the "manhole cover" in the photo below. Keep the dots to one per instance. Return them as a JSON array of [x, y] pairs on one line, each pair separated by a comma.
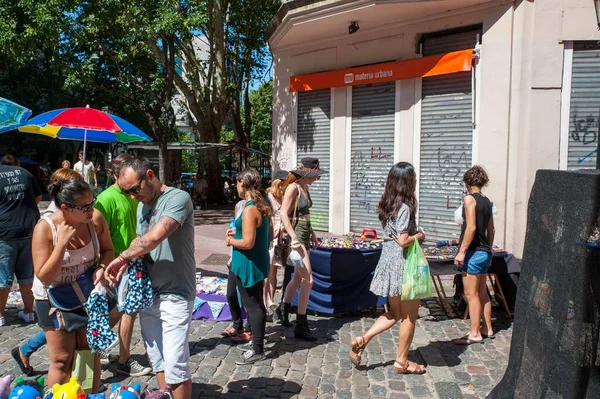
[[216, 259]]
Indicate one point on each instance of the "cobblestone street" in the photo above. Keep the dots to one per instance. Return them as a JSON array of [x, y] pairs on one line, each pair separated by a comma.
[[298, 369], [323, 369]]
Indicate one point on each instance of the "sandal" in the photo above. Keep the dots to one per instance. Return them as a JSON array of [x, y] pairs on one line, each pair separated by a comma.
[[417, 369], [16, 354], [231, 331], [485, 336], [357, 350], [466, 340]]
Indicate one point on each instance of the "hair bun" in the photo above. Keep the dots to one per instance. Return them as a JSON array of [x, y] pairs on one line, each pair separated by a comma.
[[54, 188]]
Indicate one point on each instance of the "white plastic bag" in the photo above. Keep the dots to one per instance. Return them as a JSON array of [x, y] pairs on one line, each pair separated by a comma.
[[458, 219], [294, 259], [122, 289]]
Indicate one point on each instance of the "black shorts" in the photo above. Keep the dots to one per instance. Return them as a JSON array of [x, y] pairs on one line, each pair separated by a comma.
[[76, 319]]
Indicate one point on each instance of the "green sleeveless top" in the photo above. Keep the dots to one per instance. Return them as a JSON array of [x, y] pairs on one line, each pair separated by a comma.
[[252, 265]]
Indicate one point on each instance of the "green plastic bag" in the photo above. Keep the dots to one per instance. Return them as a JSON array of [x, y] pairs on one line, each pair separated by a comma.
[[416, 281], [83, 369]]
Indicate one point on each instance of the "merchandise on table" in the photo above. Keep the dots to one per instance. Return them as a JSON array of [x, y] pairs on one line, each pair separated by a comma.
[[349, 242], [211, 285], [448, 252]]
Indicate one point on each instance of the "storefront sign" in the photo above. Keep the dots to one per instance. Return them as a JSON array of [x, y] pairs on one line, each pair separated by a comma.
[[443, 64]]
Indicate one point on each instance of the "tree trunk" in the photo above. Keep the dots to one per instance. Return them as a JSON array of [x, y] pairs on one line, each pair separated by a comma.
[[163, 156], [210, 165]]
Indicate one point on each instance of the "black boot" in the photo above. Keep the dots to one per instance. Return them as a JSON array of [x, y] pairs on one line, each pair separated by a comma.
[[301, 330], [283, 314]]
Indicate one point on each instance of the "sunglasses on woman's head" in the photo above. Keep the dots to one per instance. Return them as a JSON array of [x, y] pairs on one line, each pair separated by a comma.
[[84, 208]]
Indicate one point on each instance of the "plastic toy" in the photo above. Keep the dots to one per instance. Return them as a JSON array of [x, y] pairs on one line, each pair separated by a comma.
[[4, 386], [49, 394], [69, 390], [125, 392], [30, 389]]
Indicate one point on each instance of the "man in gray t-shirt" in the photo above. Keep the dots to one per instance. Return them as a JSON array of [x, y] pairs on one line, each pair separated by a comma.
[[165, 229], [174, 269]]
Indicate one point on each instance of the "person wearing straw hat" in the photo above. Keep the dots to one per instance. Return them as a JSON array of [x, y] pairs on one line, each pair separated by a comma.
[[295, 217]]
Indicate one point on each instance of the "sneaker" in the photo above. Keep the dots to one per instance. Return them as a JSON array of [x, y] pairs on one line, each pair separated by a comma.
[[249, 357], [106, 358], [245, 347], [27, 317], [132, 368]]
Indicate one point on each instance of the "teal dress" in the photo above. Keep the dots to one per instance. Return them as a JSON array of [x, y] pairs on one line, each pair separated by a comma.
[[252, 265]]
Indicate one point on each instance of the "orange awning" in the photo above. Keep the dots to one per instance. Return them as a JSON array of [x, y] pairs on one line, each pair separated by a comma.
[[443, 64]]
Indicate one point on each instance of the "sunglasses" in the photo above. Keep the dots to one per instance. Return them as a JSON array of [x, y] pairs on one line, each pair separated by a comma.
[[135, 189], [84, 208]]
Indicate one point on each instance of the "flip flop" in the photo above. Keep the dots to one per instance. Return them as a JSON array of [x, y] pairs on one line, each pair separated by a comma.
[[493, 336], [466, 340], [15, 352]]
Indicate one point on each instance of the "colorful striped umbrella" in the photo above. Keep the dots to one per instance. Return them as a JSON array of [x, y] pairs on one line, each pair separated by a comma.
[[86, 124], [12, 115]]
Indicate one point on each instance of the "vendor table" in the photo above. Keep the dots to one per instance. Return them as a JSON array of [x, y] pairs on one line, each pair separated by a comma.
[[341, 280], [342, 277], [502, 263]]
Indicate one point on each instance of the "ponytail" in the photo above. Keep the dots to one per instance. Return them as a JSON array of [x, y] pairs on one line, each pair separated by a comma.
[[67, 191], [251, 181]]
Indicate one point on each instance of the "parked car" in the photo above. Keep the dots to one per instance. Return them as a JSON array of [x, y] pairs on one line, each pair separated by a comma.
[[187, 179]]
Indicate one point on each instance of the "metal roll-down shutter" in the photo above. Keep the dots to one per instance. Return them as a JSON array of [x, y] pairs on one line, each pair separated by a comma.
[[372, 151], [314, 132], [446, 139]]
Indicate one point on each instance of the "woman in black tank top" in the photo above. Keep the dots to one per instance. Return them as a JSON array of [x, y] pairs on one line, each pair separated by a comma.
[[475, 255]]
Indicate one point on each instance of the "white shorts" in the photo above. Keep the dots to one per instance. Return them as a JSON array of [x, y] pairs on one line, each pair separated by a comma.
[[166, 329]]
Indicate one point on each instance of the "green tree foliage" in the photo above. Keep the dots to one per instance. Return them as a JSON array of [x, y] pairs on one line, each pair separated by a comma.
[[141, 57], [261, 101]]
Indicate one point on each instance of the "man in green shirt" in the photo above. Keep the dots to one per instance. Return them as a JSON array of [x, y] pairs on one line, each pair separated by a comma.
[[120, 210]]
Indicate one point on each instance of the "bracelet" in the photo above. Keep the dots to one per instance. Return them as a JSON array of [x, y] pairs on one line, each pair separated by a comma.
[[125, 259], [99, 266]]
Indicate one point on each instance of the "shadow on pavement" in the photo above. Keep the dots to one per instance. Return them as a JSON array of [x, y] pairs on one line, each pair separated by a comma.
[[265, 386], [213, 216]]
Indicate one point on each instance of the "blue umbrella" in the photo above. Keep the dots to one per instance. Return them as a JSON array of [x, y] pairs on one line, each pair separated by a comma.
[[12, 115]]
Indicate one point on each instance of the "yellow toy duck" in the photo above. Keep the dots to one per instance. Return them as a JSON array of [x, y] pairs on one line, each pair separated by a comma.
[[69, 390]]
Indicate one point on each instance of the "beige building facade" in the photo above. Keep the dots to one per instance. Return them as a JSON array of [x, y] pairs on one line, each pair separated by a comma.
[[529, 101]]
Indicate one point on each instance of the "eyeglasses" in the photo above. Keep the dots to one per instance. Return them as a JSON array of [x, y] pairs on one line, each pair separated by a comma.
[[84, 208], [135, 189]]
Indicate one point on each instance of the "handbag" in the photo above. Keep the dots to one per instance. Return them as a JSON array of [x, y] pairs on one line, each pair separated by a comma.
[[283, 247], [70, 297], [67, 300]]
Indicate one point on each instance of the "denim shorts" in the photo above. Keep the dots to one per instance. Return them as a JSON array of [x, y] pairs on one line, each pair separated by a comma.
[[476, 262], [166, 329], [15, 259]]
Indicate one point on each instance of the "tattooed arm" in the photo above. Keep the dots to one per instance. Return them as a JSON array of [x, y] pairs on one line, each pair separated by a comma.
[[143, 245]]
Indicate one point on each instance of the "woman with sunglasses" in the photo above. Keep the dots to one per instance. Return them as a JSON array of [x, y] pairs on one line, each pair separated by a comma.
[[65, 246], [295, 219]]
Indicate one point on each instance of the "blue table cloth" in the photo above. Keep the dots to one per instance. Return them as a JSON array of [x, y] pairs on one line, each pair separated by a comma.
[[342, 278]]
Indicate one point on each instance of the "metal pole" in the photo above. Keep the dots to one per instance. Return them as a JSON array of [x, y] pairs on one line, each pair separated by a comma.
[[230, 162], [84, 147]]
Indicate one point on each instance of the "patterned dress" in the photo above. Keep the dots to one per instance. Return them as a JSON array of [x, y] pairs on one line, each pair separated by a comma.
[[387, 279]]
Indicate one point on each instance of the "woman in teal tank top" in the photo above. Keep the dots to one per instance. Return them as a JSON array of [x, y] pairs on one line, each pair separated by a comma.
[[250, 260]]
